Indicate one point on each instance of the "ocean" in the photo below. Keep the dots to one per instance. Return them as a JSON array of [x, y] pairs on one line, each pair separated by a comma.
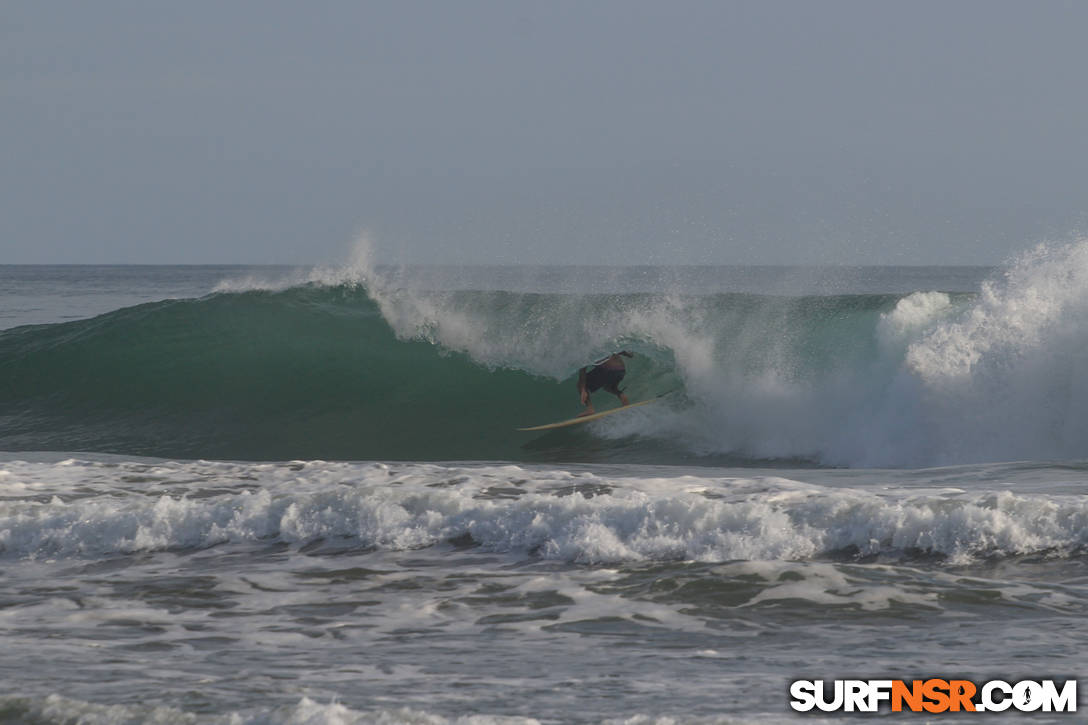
[[282, 495]]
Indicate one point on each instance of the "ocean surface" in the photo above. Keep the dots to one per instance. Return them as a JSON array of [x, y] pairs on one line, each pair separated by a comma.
[[278, 495]]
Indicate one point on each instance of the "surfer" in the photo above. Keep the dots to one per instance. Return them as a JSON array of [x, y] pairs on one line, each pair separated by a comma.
[[605, 373]]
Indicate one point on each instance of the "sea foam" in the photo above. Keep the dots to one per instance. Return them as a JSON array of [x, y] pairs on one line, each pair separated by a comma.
[[541, 514]]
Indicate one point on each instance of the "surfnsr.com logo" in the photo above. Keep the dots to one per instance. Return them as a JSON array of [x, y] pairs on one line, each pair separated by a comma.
[[933, 695]]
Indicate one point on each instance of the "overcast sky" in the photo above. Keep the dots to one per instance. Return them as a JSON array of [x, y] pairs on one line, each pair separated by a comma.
[[541, 132]]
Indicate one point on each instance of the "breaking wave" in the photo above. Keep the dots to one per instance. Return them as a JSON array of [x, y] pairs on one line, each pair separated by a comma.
[[353, 364]]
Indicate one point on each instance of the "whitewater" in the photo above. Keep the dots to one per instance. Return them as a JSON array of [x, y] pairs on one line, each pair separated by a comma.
[[272, 495]]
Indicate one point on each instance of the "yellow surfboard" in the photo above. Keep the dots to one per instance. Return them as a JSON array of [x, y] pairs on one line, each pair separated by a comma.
[[588, 418]]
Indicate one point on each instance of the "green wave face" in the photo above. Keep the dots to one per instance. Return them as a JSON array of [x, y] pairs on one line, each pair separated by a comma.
[[310, 373]]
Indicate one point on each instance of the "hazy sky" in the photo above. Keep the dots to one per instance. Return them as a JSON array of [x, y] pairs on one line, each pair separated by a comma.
[[541, 132]]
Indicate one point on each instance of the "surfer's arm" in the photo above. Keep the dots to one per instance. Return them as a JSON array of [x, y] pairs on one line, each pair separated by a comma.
[[582, 392]]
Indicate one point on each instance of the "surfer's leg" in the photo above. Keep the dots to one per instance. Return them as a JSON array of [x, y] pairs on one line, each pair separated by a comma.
[[615, 376], [619, 394]]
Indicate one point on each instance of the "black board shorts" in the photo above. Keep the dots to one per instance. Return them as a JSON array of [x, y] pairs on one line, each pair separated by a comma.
[[609, 380]]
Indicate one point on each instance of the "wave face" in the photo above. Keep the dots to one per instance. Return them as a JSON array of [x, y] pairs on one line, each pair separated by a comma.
[[356, 365]]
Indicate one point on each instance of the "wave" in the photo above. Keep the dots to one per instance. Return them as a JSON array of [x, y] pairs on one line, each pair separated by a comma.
[[537, 513], [353, 364], [60, 709]]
